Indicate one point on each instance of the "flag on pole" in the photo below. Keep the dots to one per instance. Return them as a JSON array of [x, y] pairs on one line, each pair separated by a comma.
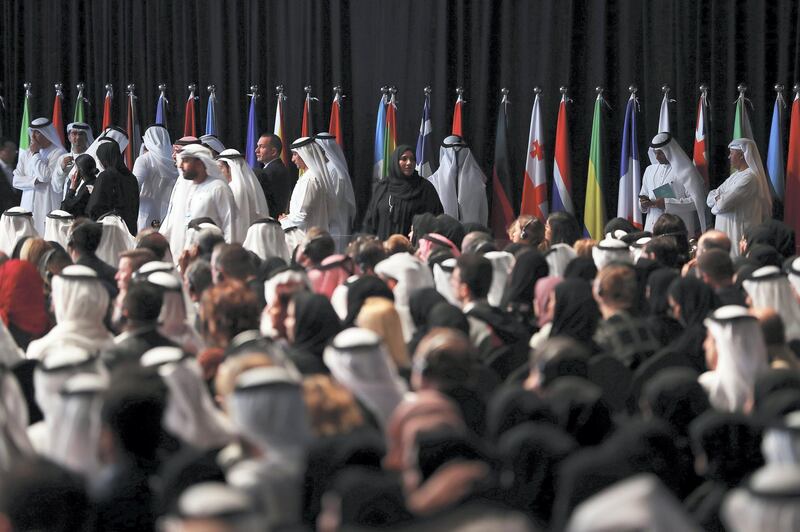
[[502, 191], [335, 125], [775, 154], [58, 118], [791, 212], [562, 176], [380, 133], [630, 175], [161, 105], [424, 141], [663, 115], [700, 153], [252, 128], [279, 127], [458, 128], [211, 111], [741, 120], [307, 128], [534, 188], [107, 106], [134, 135], [24, 139], [594, 212], [189, 119], [390, 137], [79, 115]]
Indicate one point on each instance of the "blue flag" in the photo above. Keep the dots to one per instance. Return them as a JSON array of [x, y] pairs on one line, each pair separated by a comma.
[[161, 109], [211, 114], [424, 147], [630, 176], [775, 153], [252, 133], [380, 132]]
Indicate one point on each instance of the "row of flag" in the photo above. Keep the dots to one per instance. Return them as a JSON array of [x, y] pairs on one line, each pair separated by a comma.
[[190, 117]]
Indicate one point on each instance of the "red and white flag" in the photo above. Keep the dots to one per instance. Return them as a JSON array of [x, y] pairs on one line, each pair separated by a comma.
[[534, 189], [700, 154], [791, 213]]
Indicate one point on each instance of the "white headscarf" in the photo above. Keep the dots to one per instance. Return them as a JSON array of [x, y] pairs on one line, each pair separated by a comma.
[[685, 171], [502, 263], [753, 159], [10, 353], [441, 277], [190, 413], [80, 302], [176, 310], [115, 239], [611, 250], [157, 142], [268, 409], [212, 142], [741, 358], [75, 424], [84, 128], [294, 237], [46, 128], [340, 175], [314, 157], [358, 359], [247, 191], [641, 502], [218, 504], [557, 257], [113, 133], [768, 287], [794, 275], [57, 227], [15, 223], [410, 274], [460, 183], [14, 442], [266, 238]]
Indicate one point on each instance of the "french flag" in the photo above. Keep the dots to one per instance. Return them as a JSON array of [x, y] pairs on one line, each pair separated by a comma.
[[630, 175]]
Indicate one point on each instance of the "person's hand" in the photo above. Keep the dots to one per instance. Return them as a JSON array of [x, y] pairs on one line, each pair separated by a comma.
[[187, 257], [645, 202], [281, 216], [66, 162], [659, 203], [73, 181], [34, 146]]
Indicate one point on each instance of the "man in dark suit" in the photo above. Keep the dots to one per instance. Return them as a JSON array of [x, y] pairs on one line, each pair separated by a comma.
[[275, 178]]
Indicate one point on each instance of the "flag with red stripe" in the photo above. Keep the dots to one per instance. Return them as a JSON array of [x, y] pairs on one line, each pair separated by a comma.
[[700, 153], [107, 107], [58, 119], [630, 175], [791, 213], [458, 127], [189, 118], [502, 191], [335, 125], [534, 188], [134, 135]]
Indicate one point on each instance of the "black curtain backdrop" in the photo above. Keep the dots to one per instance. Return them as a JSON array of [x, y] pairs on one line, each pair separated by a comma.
[[365, 44]]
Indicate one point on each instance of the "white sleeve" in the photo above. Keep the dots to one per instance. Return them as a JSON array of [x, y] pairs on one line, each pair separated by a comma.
[[23, 178], [302, 199], [733, 195], [226, 208]]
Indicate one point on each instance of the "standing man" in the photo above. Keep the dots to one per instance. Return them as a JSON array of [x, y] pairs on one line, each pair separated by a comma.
[[743, 199], [9, 196], [35, 169], [309, 204], [80, 137], [208, 194], [340, 189], [275, 178], [672, 184]]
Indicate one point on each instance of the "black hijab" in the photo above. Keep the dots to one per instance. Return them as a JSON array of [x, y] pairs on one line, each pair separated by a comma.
[[696, 299], [581, 268], [420, 303], [400, 185], [444, 314], [675, 396], [576, 313], [511, 406], [580, 410], [422, 224], [450, 228], [359, 290], [658, 282], [316, 323], [731, 443], [529, 268]]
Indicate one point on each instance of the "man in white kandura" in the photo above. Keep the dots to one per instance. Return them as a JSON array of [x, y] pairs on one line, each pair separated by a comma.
[[156, 173], [208, 194], [460, 182], [308, 206], [672, 184], [742, 200], [340, 189], [35, 170], [251, 204], [80, 137]]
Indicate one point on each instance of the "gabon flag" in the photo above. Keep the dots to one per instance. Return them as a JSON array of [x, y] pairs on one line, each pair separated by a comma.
[[534, 188], [594, 212], [502, 191]]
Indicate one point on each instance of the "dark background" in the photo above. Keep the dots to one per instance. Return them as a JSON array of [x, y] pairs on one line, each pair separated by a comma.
[[365, 44]]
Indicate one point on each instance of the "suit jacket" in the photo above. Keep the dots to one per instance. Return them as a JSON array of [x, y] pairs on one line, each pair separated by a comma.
[[130, 347], [277, 181]]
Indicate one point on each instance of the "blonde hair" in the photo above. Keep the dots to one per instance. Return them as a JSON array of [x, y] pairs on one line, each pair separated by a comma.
[[332, 408], [379, 315]]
